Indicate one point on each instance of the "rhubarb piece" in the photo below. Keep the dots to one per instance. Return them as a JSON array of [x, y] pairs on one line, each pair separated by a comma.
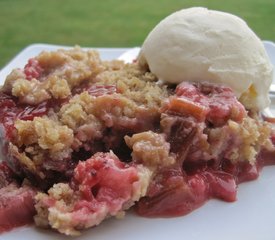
[[173, 193], [102, 187], [16, 206]]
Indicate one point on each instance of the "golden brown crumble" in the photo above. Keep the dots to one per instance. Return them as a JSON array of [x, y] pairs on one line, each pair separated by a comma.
[[133, 104], [253, 135], [30, 91], [249, 137], [48, 134], [74, 65], [62, 70], [151, 149]]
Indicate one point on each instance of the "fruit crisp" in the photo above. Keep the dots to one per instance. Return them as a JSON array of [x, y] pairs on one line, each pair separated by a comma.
[[85, 139]]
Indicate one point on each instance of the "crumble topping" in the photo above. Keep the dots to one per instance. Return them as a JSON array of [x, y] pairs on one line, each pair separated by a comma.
[[48, 134], [151, 149], [253, 135], [75, 66], [62, 70], [91, 96], [243, 141]]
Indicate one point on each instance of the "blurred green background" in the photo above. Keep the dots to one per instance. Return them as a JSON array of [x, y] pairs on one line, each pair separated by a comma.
[[108, 23]]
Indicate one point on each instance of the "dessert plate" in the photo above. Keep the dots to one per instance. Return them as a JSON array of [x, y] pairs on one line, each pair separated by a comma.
[[251, 217]]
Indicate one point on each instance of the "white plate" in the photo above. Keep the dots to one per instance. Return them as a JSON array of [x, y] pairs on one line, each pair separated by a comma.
[[251, 217]]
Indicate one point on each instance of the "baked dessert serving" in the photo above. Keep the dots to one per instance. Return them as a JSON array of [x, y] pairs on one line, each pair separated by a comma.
[[84, 139]]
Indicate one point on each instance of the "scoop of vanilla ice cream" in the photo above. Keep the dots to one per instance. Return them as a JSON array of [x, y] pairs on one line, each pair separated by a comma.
[[198, 44]]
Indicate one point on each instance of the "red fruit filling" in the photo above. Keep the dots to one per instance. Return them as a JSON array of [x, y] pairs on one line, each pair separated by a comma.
[[16, 203], [104, 178], [95, 90], [10, 110], [32, 69], [173, 193], [179, 190], [215, 104], [102, 186], [16, 206]]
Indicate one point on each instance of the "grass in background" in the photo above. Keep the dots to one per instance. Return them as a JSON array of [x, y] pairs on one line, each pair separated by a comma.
[[108, 23]]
